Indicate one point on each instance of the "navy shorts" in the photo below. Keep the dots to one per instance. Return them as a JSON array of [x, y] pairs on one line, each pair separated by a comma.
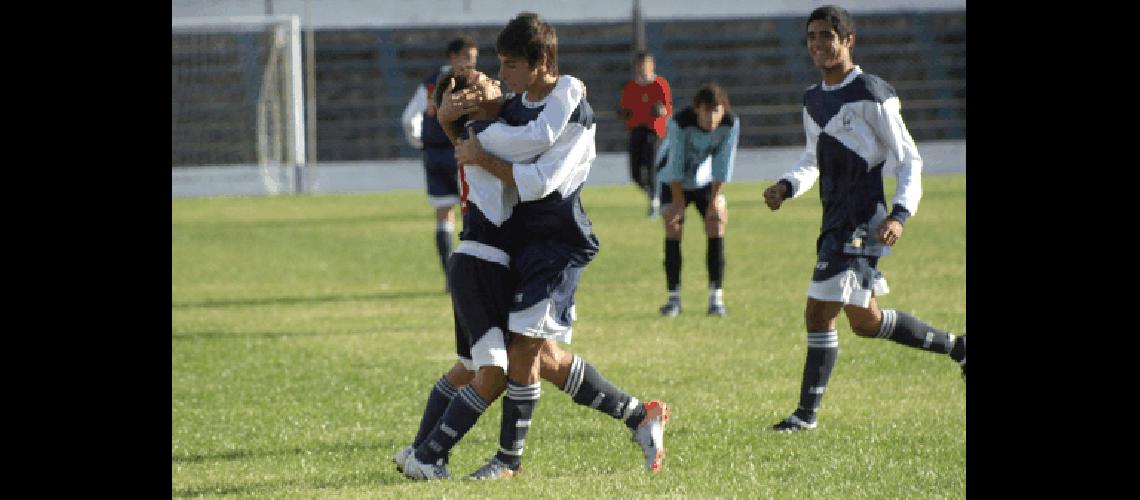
[[480, 299], [441, 174], [844, 278], [547, 274]]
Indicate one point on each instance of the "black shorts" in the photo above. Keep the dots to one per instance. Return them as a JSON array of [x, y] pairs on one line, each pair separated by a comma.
[[481, 302], [699, 197], [441, 174]]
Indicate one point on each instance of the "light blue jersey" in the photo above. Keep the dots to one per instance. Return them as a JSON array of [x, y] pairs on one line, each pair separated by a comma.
[[696, 157]]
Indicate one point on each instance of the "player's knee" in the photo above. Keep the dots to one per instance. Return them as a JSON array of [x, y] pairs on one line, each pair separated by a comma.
[[489, 382], [817, 320], [864, 327], [459, 375], [523, 354], [552, 356]]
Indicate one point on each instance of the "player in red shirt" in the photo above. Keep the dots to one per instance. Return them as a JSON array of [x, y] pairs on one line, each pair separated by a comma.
[[646, 103]]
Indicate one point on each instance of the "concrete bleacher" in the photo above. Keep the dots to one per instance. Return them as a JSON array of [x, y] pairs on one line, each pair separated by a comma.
[[365, 76]]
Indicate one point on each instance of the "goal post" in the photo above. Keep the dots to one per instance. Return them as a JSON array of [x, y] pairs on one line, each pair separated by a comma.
[[237, 98]]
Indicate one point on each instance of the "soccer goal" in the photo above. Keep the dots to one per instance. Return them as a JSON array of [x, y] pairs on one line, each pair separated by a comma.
[[236, 97]]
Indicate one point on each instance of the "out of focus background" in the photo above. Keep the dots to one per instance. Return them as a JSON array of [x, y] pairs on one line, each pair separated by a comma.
[[291, 96]]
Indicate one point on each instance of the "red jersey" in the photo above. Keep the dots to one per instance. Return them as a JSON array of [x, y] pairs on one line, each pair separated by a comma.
[[640, 99]]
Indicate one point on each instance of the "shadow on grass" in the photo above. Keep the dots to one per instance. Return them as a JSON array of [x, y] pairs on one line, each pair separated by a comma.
[[265, 335], [271, 301], [383, 474], [223, 456], [319, 222]]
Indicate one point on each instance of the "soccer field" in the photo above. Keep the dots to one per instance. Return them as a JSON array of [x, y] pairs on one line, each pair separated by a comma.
[[306, 333]]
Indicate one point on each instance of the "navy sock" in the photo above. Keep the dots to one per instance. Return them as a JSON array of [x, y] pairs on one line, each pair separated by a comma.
[[673, 264], [443, 242], [518, 410], [714, 259], [441, 395], [589, 388], [459, 417], [822, 352], [911, 332]]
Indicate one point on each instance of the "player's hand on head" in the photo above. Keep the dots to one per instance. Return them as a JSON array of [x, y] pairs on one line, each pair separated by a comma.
[[449, 109]]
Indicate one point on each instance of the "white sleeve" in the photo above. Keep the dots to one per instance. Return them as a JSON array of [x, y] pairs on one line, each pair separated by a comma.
[[413, 117], [530, 140], [805, 172], [564, 165], [895, 138]]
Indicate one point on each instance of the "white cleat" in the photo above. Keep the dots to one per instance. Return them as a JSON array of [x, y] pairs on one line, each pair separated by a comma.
[[414, 469], [650, 434], [401, 456]]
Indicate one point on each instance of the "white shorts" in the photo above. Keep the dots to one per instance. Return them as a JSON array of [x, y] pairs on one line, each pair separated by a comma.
[[845, 287]]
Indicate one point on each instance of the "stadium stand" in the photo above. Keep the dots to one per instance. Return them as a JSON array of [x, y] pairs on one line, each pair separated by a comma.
[[364, 77]]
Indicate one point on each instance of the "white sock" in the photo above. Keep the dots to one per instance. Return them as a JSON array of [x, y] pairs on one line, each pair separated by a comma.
[[716, 296]]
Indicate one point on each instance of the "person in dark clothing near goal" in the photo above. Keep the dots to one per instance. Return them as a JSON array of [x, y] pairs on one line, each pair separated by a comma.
[[422, 131]]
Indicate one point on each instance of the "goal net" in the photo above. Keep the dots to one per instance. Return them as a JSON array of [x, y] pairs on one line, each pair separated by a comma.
[[236, 97]]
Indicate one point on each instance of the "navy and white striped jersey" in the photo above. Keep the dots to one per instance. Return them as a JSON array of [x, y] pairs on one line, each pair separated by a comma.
[[551, 151], [550, 207], [695, 157], [853, 129]]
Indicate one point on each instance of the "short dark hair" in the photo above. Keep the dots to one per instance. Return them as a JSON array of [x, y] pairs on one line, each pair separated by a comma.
[[529, 37], [710, 93], [641, 55], [460, 44], [838, 17]]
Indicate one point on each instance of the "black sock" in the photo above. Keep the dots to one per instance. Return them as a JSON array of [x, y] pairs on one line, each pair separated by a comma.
[[589, 388], [673, 264], [822, 352], [518, 410], [911, 332], [441, 395], [958, 352], [459, 417], [443, 243], [714, 259]]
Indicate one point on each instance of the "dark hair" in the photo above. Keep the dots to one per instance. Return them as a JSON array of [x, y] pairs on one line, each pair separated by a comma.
[[460, 44], [839, 19], [641, 55], [529, 37], [711, 94]]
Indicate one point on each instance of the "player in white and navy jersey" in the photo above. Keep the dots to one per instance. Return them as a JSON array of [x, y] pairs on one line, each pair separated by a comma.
[[699, 156], [547, 221], [422, 131], [854, 128]]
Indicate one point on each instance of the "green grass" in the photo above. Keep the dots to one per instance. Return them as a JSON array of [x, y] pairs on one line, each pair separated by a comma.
[[306, 332]]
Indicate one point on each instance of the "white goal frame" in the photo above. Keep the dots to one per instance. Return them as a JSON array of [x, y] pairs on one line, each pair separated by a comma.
[[288, 38]]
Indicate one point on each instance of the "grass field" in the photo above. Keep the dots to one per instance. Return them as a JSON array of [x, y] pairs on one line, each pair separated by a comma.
[[306, 332]]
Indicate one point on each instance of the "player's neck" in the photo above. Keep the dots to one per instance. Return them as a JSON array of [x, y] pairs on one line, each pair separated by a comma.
[[645, 80], [835, 75], [541, 87]]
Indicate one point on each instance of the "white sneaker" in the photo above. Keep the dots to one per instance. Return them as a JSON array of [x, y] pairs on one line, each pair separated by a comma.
[[650, 434], [401, 456], [414, 469]]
